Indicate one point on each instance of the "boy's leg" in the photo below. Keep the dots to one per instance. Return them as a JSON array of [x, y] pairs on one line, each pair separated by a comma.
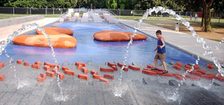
[[156, 60], [163, 61], [164, 65]]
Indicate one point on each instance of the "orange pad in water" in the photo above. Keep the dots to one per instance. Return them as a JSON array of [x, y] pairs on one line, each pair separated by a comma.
[[114, 36], [125, 69], [150, 66], [208, 76], [168, 75], [85, 70], [26, 63], [196, 73], [61, 76], [106, 69], [2, 77], [108, 76], [120, 65], [83, 76], [196, 67], [47, 68], [210, 66], [114, 68], [35, 66], [19, 61], [104, 80], [201, 71], [111, 64], [38, 63], [187, 67], [41, 78], [132, 67], [57, 41], [64, 68], [149, 72], [177, 67], [50, 74], [69, 72], [96, 76], [43, 75], [55, 31], [219, 77], [93, 72], [179, 77], [179, 64], [2, 65], [80, 63]]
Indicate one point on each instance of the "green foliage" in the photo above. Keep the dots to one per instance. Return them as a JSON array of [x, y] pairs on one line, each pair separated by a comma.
[[178, 5], [218, 6], [27, 3], [112, 4]]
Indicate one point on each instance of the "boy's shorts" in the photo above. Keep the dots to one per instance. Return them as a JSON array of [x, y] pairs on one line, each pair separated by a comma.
[[161, 57]]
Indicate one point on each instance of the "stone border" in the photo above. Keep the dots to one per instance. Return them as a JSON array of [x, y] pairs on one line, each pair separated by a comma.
[[19, 20]]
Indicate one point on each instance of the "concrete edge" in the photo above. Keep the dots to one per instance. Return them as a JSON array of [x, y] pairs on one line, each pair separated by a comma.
[[186, 51], [19, 20], [2, 40]]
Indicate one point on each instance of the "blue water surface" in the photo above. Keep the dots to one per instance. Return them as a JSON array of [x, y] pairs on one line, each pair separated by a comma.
[[89, 50]]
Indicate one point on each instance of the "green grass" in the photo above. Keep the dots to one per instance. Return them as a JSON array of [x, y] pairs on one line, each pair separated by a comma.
[[7, 16], [170, 18], [52, 15], [216, 23], [129, 17]]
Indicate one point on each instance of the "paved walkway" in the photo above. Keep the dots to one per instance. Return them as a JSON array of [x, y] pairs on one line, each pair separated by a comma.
[[181, 40], [5, 31], [137, 88]]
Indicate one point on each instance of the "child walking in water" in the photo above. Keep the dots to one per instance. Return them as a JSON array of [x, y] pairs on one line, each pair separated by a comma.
[[160, 51]]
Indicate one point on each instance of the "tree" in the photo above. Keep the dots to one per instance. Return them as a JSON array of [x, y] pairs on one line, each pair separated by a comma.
[[218, 6], [2, 2], [112, 4], [121, 4], [142, 5], [206, 18], [130, 4]]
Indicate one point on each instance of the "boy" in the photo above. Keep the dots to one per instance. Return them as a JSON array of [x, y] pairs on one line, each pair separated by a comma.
[[160, 51]]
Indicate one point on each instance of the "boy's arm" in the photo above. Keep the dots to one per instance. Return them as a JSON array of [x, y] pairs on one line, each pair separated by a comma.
[[156, 49]]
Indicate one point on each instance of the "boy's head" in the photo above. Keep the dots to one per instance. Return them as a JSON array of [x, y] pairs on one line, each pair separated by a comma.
[[158, 33]]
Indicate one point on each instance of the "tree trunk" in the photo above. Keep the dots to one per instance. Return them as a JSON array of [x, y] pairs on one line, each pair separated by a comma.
[[202, 17], [207, 16], [209, 28], [205, 19]]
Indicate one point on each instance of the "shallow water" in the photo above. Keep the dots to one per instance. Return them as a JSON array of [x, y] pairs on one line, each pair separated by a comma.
[[89, 50]]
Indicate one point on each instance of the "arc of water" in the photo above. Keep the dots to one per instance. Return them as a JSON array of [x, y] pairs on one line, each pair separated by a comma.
[[220, 44], [5, 42], [55, 60], [199, 40], [18, 32], [15, 33]]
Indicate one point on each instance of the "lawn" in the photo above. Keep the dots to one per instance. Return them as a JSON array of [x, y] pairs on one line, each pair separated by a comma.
[[6, 16], [216, 34]]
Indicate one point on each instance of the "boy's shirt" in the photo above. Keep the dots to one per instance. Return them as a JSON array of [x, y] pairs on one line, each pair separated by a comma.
[[160, 43]]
